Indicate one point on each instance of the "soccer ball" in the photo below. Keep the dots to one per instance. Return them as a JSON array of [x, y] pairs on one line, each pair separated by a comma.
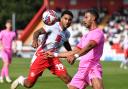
[[49, 17]]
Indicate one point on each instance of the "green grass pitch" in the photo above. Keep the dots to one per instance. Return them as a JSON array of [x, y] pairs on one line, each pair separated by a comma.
[[113, 76]]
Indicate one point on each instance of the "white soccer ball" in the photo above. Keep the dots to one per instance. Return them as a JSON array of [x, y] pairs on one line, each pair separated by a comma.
[[49, 17]]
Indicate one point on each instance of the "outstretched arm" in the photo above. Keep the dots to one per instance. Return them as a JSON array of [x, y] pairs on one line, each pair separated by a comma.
[[76, 50], [69, 53], [87, 48]]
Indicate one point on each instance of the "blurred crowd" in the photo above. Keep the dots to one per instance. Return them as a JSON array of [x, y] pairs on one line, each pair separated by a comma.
[[79, 13], [116, 29]]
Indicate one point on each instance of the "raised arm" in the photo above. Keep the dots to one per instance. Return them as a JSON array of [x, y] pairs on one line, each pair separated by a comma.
[[76, 52], [66, 54]]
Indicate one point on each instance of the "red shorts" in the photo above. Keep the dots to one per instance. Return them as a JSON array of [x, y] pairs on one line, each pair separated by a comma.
[[39, 64]]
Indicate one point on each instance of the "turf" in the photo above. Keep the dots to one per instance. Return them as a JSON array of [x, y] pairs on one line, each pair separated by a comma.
[[113, 76]]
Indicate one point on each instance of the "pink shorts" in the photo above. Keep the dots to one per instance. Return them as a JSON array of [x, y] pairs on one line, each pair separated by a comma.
[[6, 55], [84, 75]]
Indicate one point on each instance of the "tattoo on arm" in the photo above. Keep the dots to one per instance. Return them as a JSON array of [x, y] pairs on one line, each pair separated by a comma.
[[37, 33]]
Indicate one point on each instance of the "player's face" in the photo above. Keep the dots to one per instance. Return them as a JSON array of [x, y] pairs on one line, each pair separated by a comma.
[[8, 25], [66, 20], [88, 19]]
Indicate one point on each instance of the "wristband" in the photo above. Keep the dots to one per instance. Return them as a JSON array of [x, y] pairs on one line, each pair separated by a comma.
[[55, 54], [76, 55]]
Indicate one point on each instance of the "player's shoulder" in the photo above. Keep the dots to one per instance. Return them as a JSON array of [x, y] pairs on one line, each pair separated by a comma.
[[2, 31], [67, 32], [13, 32], [97, 31], [56, 25], [51, 26]]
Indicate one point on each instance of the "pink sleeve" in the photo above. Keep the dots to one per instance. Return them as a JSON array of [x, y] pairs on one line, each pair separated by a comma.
[[0, 35], [95, 36], [14, 35]]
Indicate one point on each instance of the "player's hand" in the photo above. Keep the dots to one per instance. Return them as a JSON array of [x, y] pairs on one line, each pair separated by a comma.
[[42, 54], [71, 59], [35, 44], [50, 54], [1, 47]]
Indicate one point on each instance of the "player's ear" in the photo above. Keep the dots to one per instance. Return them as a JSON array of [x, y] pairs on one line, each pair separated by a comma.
[[61, 19], [93, 18]]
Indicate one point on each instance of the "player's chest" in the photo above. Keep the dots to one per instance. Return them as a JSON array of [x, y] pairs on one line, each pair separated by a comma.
[[61, 37], [8, 35]]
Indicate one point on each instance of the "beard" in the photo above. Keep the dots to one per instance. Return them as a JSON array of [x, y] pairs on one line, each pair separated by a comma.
[[86, 25]]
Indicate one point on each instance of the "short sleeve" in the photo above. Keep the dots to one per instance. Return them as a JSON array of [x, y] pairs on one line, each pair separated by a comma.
[[67, 34], [0, 35], [48, 29], [14, 35]]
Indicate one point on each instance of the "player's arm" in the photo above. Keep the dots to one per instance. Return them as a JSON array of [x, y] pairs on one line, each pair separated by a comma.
[[37, 33], [66, 54], [35, 37], [1, 46], [78, 51], [15, 43], [87, 48], [67, 46]]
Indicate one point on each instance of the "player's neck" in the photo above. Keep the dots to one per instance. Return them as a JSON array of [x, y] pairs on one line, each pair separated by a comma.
[[8, 29], [93, 26], [62, 27]]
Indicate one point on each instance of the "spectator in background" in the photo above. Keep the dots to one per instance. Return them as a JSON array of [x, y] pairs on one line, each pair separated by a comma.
[[6, 38], [124, 44]]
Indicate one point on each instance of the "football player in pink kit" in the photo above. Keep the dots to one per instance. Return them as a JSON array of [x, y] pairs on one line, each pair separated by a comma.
[[6, 38], [90, 50], [55, 36]]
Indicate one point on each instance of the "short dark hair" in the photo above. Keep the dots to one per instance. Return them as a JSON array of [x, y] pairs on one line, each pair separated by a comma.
[[9, 21], [67, 12], [93, 12]]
